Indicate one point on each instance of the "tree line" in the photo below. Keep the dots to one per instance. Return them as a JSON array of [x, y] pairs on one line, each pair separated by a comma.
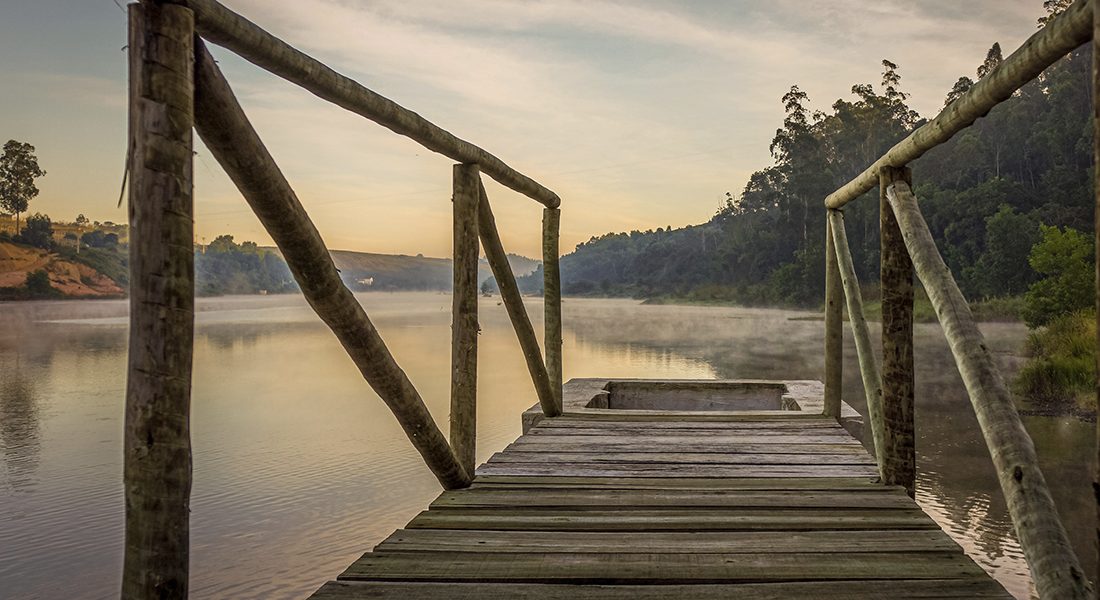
[[1017, 177]]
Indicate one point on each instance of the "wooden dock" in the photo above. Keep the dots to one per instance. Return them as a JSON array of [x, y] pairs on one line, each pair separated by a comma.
[[652, 504]]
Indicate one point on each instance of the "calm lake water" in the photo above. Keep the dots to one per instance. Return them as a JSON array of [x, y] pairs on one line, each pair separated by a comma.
[[300, 468]]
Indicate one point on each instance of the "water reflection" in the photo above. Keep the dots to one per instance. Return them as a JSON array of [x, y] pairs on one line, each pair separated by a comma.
[[19, 428], [299, 467]]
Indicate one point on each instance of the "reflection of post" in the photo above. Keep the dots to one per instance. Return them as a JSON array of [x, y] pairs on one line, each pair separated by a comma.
[[19, 427], [551, 294], [896, 277], [464, 316], [157, 445]]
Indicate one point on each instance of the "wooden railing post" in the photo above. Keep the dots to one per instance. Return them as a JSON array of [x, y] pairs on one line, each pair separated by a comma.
[[1096, 193], [513, 303], [896, 278], [464, 327], [1054, 567], [834, 328], [233, 142], [868, 368], [551, 297], [157, 439]]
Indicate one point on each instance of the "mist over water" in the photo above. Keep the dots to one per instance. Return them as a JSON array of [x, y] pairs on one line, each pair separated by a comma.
[[299, 467]]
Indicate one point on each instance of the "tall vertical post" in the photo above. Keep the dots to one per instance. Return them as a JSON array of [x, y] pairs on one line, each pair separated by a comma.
[[157, 443], [551, 296], [464, 325], [513, 303], [896, 277], [1096, 192], [868, 367], [834, 328]]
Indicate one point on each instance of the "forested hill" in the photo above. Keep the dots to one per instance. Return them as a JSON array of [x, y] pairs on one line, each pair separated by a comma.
[[984, 195]]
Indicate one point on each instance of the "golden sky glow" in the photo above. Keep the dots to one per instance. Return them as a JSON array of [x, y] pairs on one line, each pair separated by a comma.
[[639, 114]]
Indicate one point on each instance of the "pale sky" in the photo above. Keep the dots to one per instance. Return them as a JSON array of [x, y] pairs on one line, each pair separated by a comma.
[[638, 114]]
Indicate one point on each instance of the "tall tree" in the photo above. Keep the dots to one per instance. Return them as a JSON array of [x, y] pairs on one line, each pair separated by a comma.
[[18, 170], [961, 87], [993, 59], [1053, 8]]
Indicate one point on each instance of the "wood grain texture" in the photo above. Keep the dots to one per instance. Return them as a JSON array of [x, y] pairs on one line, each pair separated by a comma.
[[1054, 566], [899, 456], [583, 507], [834, 328], [978, 587], [231, 139], [464, 319], [230, 30], [157, 439], [551, 285]]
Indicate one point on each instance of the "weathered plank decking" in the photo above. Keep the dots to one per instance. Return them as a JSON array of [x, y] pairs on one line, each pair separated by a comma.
[[649, 505]]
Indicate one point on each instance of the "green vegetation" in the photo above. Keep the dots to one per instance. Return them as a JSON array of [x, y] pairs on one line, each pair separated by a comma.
[[18, 170], [1061, 371], [1065, 261], [37, 287], [226, 267], [984, 194]]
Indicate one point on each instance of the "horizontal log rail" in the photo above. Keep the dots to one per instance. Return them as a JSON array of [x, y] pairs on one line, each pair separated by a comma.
[[1064, 33], [221, 26]]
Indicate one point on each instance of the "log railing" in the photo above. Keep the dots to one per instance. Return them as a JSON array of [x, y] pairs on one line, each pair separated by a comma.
[[907, 247], [176, 87]]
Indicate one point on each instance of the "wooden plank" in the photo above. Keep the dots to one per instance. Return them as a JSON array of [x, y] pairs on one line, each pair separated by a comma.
[[615, 568], [694, 416], [837, 432], [670, 520], [575, 423], [690, 440], [529, 445], [658, 470], [696, 542], [860, 484], [718, 458], [978, 587], [689, 499]]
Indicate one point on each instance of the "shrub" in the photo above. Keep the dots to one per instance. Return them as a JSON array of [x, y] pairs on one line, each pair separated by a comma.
[[1062, 364], [1064, 259]]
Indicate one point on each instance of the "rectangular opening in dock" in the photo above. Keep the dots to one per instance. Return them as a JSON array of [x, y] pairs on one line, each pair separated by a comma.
[[691, 396]]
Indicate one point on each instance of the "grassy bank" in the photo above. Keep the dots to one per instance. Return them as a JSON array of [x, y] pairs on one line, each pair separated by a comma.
[[1061, 371]]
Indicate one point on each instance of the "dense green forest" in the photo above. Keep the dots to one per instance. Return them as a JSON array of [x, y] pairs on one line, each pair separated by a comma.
[[226, 267], [984, 193]]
